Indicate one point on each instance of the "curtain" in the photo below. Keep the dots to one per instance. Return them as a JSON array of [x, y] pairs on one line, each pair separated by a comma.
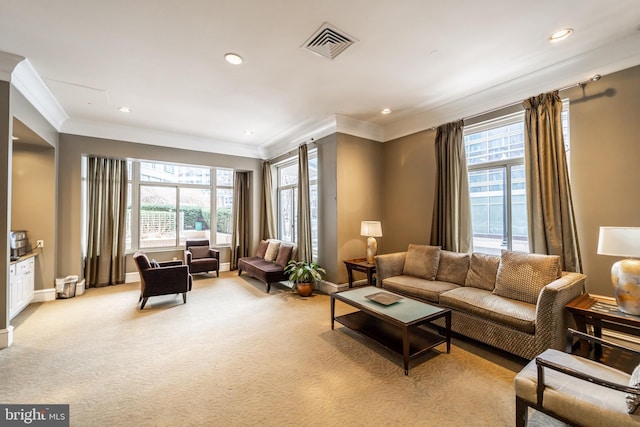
[[304, 206], [107, 186], [267, 221], [241, 225], [451, 223], [552, 226]]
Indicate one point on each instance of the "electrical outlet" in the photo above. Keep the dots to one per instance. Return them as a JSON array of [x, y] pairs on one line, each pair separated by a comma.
[[39, 243]]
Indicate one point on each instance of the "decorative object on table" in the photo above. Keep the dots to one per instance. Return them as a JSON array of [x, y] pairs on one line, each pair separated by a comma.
[[384, 298], [625, 274], [303, 275], [371, 229]]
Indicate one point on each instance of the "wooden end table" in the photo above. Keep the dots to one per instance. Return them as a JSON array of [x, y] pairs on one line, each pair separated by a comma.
[[601, 312], [360, 264]]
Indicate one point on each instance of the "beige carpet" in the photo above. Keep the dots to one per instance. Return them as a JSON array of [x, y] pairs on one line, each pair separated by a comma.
[[236, 356]]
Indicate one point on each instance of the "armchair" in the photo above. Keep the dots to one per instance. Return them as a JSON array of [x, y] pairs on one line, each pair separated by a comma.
[[580, 391], [200, 257], [168, 278]]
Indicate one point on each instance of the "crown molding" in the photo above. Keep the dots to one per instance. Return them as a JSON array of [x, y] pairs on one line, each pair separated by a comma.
[[359, 128]]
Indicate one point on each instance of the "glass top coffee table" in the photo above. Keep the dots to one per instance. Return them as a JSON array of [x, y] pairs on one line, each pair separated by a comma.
[[393, 321]]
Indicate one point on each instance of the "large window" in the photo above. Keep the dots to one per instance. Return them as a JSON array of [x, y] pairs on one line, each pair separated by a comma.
[[497, 183], [288, 200], [172, 203]]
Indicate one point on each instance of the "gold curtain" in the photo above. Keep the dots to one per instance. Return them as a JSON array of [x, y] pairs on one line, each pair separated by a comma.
[[552, 227], [451, 223], [304, 206], [267, 220], [241, 220], [107, 187]]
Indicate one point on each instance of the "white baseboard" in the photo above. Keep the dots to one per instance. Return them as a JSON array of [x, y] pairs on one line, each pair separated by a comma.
[[6, 337], [44, 295]]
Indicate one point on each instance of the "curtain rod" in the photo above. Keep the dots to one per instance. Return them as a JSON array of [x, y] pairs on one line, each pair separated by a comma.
[[582, 84]]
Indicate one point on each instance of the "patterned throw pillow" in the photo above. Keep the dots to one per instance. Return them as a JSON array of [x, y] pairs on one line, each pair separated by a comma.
[[522, 276], [154, 264], [452, 267], [633, 400], [422, 261], [272, 251], [199, 251], [482, 271]]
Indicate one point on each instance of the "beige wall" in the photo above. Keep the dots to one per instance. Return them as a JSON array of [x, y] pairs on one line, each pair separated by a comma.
[[604, 129], [72, 147], [33, 204], [5, 208]]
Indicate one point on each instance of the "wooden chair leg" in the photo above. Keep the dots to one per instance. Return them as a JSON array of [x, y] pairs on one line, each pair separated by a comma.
[[268, 287], [522, 412], [144, 301]]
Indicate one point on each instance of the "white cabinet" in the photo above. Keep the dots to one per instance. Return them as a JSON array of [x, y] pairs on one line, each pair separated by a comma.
[[21, 285]]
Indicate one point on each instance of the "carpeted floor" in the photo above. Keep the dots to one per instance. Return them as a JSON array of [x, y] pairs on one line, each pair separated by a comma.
[[236, 356]]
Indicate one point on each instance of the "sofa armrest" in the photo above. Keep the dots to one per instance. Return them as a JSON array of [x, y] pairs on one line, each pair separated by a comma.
[[551, 315], [389, 265]]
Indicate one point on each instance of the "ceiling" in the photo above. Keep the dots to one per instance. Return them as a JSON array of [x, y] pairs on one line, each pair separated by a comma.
[[430, 62]]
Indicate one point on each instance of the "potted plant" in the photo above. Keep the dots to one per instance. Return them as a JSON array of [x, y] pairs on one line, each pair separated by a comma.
[[303, 275]]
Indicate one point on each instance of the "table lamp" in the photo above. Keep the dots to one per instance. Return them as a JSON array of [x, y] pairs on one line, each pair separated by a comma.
[[625, 274], [371, 229]]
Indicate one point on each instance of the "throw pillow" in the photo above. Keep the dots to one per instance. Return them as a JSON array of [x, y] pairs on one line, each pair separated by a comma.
[[422, 261], [262, 248], [199, 251], [272, 251], [633, 400], [154, 264], [482, 271], [452, 267], [284, 254], [521, 276]]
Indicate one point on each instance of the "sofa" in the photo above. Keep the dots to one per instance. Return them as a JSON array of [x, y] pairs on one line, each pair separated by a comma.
[[513, 301], [269, 261]]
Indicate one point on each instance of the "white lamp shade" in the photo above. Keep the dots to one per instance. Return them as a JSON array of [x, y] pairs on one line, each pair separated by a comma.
[[371, 229], [619, 241]]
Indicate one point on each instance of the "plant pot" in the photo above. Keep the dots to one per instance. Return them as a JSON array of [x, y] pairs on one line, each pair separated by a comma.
[[304, 289]]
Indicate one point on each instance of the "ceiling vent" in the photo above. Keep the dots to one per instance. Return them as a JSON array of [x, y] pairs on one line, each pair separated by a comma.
[[328, 41]]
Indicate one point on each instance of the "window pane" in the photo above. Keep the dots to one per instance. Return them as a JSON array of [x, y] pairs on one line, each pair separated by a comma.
[[488, 210], [224, 177], [288, 175], [500, 143], [157, 216], [286, 215], [128, 220], [195, 214], [519, 223], [163, 172], [224, 212]]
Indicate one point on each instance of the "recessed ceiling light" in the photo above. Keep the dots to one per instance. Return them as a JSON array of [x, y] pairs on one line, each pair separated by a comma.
[[561, 35], [124, 109], [248, 132], [233, 58], [386, 111]]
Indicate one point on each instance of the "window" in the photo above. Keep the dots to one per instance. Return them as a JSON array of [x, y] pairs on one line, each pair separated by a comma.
[[497, 182], [288, 200], [172, 203]]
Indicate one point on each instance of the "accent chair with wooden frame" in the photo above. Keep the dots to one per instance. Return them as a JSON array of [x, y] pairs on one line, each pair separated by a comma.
[[200, 257], [170, 277]]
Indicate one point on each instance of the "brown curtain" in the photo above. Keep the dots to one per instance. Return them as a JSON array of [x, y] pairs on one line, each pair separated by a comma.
[[241, 221], [107, 185], [304, 206], [267, 221], [552, 227], [451, 223]]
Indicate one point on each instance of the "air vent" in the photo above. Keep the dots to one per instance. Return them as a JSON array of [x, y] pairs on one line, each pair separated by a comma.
[[328, 41]]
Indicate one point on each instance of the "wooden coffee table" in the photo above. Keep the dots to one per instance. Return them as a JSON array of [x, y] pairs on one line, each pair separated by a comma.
[[395, 326]]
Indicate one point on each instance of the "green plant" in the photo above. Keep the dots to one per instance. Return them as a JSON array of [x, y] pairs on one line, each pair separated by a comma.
[[303, 271]]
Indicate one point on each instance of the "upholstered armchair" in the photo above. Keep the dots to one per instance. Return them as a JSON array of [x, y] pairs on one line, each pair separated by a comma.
[[579, 391], [165, 278], [200, 257]]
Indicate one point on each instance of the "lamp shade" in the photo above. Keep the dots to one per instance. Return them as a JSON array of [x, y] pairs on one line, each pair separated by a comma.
[[371, 229], [619, 241]]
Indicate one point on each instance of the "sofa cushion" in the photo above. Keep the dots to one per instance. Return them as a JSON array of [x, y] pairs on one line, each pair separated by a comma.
[[272, 251], [482, 271], [522, 276], [452, 267], [633, 400], [483, 303], [422, 261], [428, 290], [262, 248], [199, 251], [284, 254]]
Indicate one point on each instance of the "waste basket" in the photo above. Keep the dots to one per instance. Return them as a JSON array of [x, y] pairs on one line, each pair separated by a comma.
[[66, 287]]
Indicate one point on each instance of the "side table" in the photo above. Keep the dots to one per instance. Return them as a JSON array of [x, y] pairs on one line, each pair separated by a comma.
[[360, 264], [601, 313]]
